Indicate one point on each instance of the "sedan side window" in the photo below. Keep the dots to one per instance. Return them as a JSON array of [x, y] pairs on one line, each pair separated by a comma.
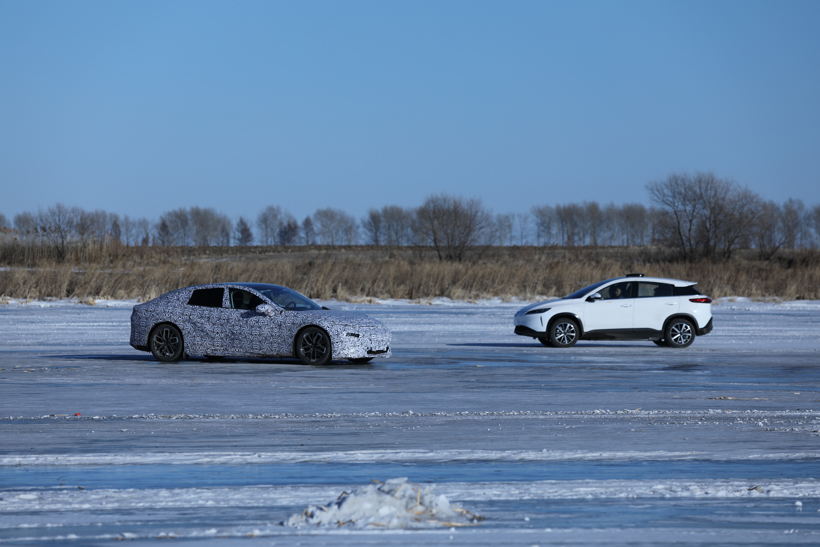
[[207, 298], [617, 291], [650, 290], [243, 300]]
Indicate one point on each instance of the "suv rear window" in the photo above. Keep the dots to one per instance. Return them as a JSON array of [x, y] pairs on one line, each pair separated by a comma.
[[686, 291], [207, 298]]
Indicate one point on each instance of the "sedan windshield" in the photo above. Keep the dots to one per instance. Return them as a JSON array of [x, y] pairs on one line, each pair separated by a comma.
[[284, 297], [586, 290]]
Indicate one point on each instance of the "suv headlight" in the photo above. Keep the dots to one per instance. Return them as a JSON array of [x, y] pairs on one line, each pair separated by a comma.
[[539, 310]]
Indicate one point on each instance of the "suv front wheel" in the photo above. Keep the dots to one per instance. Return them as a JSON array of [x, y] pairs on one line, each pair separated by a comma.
[[679, 333], [563, 333]]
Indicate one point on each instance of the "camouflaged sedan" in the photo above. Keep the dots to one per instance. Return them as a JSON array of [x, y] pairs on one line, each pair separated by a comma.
[[253, 320]]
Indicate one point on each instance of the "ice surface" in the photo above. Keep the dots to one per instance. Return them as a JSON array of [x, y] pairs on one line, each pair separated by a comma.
[[604, 443]]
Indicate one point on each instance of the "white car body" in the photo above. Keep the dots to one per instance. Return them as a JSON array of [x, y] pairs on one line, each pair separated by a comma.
[[665, 311]]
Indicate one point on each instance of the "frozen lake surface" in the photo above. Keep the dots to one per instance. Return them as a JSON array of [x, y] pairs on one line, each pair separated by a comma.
[[605, 443]]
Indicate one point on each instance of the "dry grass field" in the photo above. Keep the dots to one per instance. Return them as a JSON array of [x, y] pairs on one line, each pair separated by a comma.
[[345, 273]]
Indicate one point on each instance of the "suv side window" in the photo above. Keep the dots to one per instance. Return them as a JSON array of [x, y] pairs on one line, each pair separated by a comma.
[[617, 291], [207, 298], [649, 290], [243, 300]]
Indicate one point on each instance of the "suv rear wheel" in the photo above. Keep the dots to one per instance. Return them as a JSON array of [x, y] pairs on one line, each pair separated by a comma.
[[679, 333]]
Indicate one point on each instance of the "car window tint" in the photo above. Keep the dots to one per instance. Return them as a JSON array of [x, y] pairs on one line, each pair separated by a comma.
[[207, 298], [685, 291], [243, 300], [649, 290], [617, 291]]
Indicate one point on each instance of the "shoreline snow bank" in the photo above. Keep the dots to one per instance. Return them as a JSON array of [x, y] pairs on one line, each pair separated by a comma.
[[395, 503]]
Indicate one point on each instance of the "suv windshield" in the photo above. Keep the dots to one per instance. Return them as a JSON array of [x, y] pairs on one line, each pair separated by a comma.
[[284, 297], [586, 290]]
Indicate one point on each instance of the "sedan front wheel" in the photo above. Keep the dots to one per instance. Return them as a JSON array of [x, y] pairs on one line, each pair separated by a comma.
[[313, 346]]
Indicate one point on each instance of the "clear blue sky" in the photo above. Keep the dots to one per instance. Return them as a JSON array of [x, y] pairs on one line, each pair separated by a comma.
[[144, 106]]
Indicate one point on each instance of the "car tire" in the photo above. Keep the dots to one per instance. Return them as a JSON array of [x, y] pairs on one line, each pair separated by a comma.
[[361, 360], [546, 342], [563, 333], [165, 343], [661, 343], [679, 333], [313, 346]]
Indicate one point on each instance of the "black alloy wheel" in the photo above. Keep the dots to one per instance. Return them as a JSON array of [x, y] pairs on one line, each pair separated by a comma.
[[680, 333], [313, 346], [564, 333], [165, 342]]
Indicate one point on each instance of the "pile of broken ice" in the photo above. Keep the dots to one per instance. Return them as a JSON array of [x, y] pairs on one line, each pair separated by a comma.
[[395, 503]]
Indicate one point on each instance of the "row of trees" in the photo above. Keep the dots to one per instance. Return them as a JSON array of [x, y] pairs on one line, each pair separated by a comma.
[[699, 215]]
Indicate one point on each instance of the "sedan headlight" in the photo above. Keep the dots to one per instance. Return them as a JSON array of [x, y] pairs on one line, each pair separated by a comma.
[[539, 310]]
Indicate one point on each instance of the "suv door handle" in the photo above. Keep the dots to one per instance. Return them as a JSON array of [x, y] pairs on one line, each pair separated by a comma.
[[626, 305], [670, 303]]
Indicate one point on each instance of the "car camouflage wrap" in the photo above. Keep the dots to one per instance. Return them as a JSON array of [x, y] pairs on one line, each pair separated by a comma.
[[227, 332]]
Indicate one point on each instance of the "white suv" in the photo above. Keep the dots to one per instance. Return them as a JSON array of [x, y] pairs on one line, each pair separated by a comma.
[[669, 312]]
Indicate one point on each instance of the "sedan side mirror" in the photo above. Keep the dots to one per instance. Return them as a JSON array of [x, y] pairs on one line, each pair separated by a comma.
[[266, 309], [594, 297]]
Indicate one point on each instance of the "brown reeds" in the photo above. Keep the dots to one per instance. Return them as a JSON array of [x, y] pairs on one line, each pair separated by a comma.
[[400, 272]]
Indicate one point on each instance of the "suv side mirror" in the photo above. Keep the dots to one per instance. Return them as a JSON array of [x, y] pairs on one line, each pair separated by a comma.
[[594, 297], [266, 309]]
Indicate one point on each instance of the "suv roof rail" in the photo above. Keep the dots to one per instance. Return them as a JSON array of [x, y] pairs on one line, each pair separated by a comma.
[[635, 275]]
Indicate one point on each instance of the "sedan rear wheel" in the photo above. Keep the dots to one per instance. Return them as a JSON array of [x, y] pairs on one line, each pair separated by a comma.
[[313, 346], [679, 333], [165, 342], [564, 333]]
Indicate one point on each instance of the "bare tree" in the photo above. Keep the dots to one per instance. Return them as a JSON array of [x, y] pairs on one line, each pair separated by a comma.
[[267, 222], [116, 231], [179, 225], [372, 227], [163, 233], [813, 222], [57, 225], [503, 228], [703, 214], [25, 223], [4, 222], [308, 231], [244, 235], [288, 233], [793, 212], [544, 216], [594, 221], [523, 222], [397, 225], [452, 224], [334, 227]]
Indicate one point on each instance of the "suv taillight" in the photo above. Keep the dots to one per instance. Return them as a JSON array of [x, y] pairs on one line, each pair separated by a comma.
[[701, 300]]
